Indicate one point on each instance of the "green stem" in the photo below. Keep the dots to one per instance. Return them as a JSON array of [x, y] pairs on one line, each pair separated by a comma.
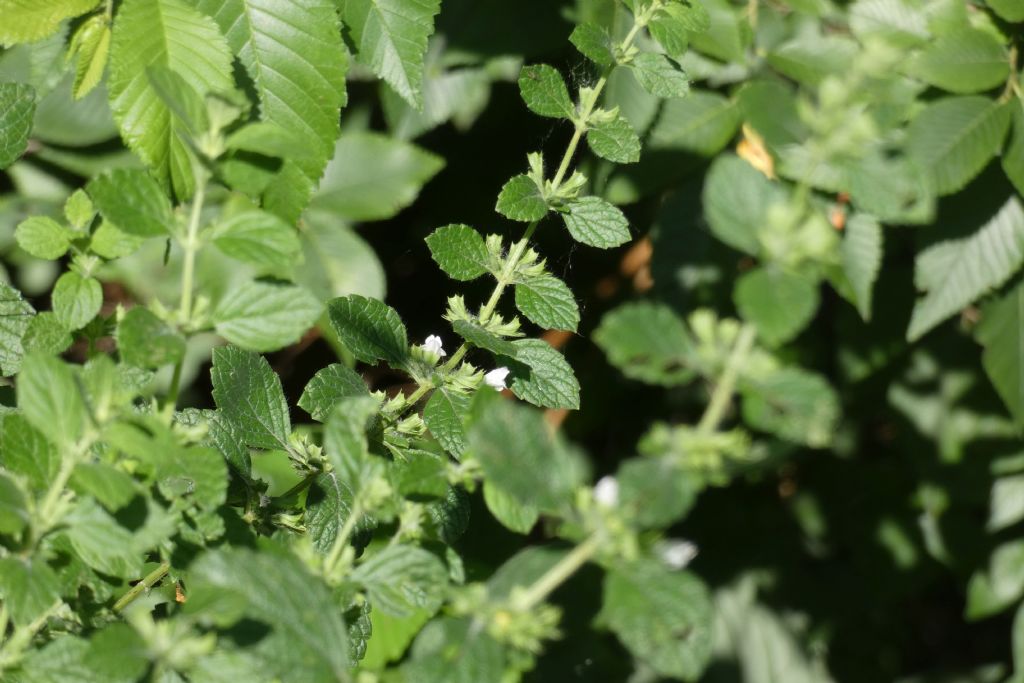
[[10, 653], [191, 246], [722, 395], [150, 580], [557, 575], [334, 555]]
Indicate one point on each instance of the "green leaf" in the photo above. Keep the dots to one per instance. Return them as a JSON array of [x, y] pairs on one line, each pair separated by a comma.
[[28, 587], [147, 341], [861, 252], [955, 137], [726, 37], [703, 123], [76, 300], [79, 210], [111, 242], [662, 617], [654, 492], [391, 38], [517, 449], [1011, 11], [266, 316], [17, 109], [990, 592], [809, 60], [443, 414], [1001, 332], [14, 515], [27, 21], [548, 302], [26, 452], [370, 329], [647, 342], [482, 338], [956, 272], [249, 394], [659, 75], [793, 404], [171, 34], [294, 55], [594, 43], [391, 637], [593, 221], [91, 47], [16, 315], [737, 198], [43, 237], [541, 375], [133, 201], [1006, 503], [111, 487], [337, 261], [259, 238], [545, 93], [401, 579], [521, 200], [964, 61], [226, 437], [1013, 155], [345, 441], [328, 507], [45, 334], [273, 587], [460, 251], [614, 139], [673, 23], [328, 387], [451, 650], [510, 512], [778, 302], [101, 542], [372, 177]]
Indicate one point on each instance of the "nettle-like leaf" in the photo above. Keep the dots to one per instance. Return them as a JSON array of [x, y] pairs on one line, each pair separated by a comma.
[[370, 329], [521, 200], [259, 238], [264, 316], [793, 404], [172, 34], [460, 251], [401, 579], [593, 221], [647, 342], [17, 107], [548, 302], [391, 38], [249, 394], [614, 139], [15, 316], [541, 375], [76, 299], [594, 43], [328, 387], [133, 201], [443, 414], [145, 340], [659, 75], [780, 303], [43, 237], [736, 201], [544, 92], [482, 338], [29, 588], [1001, 332]]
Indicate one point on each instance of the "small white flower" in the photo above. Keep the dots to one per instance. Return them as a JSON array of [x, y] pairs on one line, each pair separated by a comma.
[[433, 344], [606, 491], [677, 553], [496, 378]]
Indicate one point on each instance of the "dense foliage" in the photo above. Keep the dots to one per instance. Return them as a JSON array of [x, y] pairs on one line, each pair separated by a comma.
[[755, 266]]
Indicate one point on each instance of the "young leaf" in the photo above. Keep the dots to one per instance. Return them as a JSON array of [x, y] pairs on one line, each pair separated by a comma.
[[521, 200], [402, 578], [45, 334], [147, 341], [647, 342], [391, 38], [101, 542], [614, 139], [662, 617], [672, 25], [659, 75], [548, 302], [265, 316], [778, 302], [460, 251], [249, 394], [793, 404], [133, 201], [510, 512], [17, 108], [483, 339], [28, 587], [955, 137], [736, 200], [167, 33], [28, 22], [1001, 332], [91, 47], [545, 93], [956, 272], [15, 316], [594, 43], [43, 237], [541, 375], [328, 387], [27, 452], [76, 299], [964, 61], [862, 258], [370, 329], [259, 238], [443, 414], [593, 221]]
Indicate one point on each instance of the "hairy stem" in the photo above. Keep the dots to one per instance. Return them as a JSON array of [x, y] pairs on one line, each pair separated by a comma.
[[557, 575], [726, 386], [191, 246], [11, 652], [150, 580], [341, 540]]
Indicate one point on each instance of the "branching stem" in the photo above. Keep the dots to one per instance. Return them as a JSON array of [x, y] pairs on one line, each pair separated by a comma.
[[150, 580], [722, 395], [557, 575]]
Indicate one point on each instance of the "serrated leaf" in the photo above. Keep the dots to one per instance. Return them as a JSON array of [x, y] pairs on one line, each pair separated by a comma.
[[329, 386], [956, 272], [509, 511], [545, 93], [647, 342], [17, 109], [861, 252], [373, 177], [249, 394], [91, 47], [172, 34], [133, 201], [548, 302], [460, 251], [737, 198], [964, 61], [673, 23], [443, 414], [593, 221], [265, 316], [659, 75], [28, 587], [43, 237], [1001, 332], [662, 617], [76, 300], [225, 436], [101, 542], [111, 487], [147, 341], [809, 60], [45, 334], [1013, 155], [401, 579], [345, 442], [370, 329], [955, 137], [793, 404], [703, 123], [614, 140], [294, 54], [328, 507], [14, 514], [594, 43], [541, 375], [450, 650], [778, 302], [515, 448], [481, 338], [259, 238], [727, 35], [27, 21], [391, 38], [654, 492], [27, 452], [521, 200], [15, 316]]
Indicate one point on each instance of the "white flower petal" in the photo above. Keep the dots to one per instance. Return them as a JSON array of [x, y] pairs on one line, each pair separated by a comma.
[[606, 491], [496, 378], [434, 345], [677, 553]]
